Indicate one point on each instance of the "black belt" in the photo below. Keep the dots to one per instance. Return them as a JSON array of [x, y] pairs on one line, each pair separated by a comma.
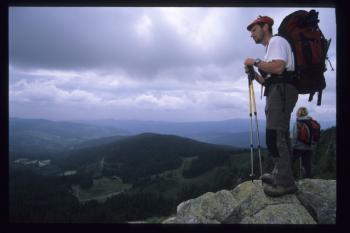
[[286, 77]]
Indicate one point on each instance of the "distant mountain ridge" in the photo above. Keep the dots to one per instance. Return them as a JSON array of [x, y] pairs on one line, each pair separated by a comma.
[[177, 128], [233, 132], [40, 135], [97, 142], [189, 128]]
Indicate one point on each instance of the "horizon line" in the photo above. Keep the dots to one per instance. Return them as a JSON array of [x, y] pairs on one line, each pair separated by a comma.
[[160, 121]]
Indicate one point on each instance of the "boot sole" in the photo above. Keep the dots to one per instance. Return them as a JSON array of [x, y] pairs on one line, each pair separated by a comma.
[[279, 194]]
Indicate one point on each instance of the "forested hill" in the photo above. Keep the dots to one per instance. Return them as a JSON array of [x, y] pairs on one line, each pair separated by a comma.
[[324, 156], [145, 154]]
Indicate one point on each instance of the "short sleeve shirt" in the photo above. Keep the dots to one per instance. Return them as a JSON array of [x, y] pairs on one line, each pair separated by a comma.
[[279, 49]]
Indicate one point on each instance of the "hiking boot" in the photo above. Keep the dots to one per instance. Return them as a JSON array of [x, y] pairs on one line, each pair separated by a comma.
[[277, 190], [267, 178]]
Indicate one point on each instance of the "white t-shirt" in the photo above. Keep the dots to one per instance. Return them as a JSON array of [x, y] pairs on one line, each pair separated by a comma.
[[279, 49]]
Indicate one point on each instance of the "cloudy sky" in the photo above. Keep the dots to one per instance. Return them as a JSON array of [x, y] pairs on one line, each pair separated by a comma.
[[145, 63]]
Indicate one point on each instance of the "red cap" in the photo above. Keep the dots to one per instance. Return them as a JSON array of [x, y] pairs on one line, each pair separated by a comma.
[[260, 19]]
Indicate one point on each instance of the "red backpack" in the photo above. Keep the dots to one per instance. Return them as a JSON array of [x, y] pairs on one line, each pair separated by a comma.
[[310, 47], [309, 131]]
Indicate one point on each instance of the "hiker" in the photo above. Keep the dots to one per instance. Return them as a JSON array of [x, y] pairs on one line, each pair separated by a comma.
[[301, 148], [281, 97]]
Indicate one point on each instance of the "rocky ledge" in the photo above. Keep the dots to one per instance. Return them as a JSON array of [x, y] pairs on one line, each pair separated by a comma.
[[314, 203]]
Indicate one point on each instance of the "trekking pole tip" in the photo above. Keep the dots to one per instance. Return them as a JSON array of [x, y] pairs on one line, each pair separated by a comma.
[[251, 177]]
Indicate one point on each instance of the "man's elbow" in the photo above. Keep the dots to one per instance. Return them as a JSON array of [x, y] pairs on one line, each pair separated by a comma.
[[279, 69]]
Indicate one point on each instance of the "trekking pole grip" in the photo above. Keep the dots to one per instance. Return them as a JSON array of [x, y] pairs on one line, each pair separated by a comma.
[[251, 73]]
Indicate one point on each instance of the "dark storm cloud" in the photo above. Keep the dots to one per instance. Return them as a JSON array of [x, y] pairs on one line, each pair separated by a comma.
[[90, 38], [67, 38], [131, 62], [95, 38]]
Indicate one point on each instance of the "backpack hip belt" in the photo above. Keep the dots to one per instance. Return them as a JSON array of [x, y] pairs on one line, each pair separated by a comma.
[[286, 77]]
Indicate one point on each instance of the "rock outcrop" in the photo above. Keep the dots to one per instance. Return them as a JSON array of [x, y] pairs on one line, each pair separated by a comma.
[[319, 198], [314, 203]]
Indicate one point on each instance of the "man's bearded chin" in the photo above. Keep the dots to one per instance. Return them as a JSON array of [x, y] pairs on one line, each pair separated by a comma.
[[257, 40]]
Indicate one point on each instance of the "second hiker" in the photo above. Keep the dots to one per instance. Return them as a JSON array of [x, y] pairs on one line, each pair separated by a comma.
[[281, 97], [305, 134]]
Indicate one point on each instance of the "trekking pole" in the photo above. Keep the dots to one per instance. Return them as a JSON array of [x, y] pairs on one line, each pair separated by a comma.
[[300, 168], [257, 126], [250, 80]]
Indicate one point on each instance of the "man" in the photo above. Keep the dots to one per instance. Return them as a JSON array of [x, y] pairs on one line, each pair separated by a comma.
[[281, 97]]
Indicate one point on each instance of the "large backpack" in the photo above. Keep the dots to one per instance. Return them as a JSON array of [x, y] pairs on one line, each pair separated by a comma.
[[310, 47], [309, 131]]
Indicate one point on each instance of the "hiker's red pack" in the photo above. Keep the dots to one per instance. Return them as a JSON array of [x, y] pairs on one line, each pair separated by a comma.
[[309, 47], [309, 131]]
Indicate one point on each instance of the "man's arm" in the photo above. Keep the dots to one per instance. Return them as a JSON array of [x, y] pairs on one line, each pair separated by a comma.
[[271, 67]]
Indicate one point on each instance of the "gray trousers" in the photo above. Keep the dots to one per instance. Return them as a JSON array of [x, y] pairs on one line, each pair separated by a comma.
[[278, 112]]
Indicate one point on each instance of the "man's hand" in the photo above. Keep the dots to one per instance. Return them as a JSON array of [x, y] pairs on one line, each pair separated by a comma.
[[251, 72], [248, 67], [249, 62]]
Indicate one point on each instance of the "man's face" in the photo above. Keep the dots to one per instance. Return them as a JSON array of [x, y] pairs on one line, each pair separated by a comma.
[[257, 33]]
